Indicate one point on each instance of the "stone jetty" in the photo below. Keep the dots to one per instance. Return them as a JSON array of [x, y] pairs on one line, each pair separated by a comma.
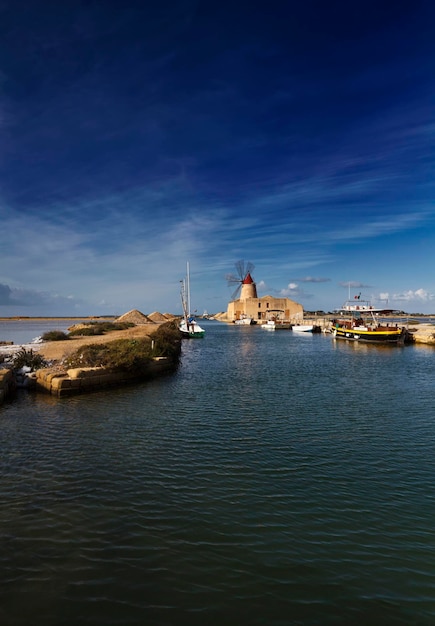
[[61, 383]]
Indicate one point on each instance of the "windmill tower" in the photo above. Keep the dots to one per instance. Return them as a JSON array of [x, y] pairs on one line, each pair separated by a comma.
[[246, 287]]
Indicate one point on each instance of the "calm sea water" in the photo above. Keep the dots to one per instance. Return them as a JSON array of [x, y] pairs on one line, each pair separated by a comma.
[[275, 479], [21, 332]]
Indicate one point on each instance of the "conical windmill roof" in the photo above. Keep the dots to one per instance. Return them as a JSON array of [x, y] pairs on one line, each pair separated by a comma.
[[248, 279]]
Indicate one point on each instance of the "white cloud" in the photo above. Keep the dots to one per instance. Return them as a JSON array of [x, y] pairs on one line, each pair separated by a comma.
[[291, 291], [419, 295]]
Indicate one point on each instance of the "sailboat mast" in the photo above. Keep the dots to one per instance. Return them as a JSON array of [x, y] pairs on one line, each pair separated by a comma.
[[188, 289]]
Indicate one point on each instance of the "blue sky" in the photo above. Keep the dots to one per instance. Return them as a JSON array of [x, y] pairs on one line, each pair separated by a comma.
[[137, 136]]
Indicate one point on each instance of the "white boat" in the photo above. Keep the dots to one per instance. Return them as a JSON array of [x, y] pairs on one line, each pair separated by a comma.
[[361, 306], [189, 327], [244, 321], [269, 325], [302, 328]]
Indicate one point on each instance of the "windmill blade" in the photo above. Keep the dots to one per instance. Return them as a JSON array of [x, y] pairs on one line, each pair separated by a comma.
[[240, 267], [249, 268], [244, 268], [236, 292], [231, 279]]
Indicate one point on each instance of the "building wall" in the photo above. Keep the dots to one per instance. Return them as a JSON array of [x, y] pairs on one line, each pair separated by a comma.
[[264, 308]]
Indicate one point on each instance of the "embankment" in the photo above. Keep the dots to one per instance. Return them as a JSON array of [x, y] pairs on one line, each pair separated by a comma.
[[7, 384], [61, 383]]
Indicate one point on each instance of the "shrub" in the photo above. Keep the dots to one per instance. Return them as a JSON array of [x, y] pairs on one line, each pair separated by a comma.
[[89, 331], [54, 335], [122, 354], [28, 358], [99, 328], [167, 340], [131, 355]]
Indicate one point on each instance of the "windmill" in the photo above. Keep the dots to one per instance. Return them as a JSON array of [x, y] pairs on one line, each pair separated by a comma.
[[246, 287]]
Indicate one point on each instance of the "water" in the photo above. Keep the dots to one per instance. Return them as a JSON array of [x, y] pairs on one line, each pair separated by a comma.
[[22, 332], [275, 479]]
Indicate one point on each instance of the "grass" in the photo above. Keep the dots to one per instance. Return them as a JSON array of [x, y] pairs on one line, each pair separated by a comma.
[[54, 335], [90, 329], [131, 355], [99, 328]]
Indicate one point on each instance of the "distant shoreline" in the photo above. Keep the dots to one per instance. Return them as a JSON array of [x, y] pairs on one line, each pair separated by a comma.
[[64, 317]]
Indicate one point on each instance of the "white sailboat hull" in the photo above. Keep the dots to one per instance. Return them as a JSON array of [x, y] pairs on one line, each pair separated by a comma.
[[191, 329]]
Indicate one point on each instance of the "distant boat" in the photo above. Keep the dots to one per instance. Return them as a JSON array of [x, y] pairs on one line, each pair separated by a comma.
[[269, 325], [244, 321], [303, 328], [189, 327], [273, 322], [363, 324]]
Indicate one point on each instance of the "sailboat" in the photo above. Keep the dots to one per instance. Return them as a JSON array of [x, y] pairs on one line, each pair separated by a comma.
[[189, 327]]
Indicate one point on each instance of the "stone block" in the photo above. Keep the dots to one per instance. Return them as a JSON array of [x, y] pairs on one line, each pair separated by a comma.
[[84, 372]]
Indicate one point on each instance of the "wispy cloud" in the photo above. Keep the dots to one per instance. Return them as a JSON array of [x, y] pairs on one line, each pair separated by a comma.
[[312, 279], [352, 284]]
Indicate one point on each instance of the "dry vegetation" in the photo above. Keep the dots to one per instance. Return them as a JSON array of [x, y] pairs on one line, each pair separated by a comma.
[[61, 350]]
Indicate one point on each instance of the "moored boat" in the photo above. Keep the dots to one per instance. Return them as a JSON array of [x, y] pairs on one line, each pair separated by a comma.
[[303, 328], [269, 325], [364, 323], [244, 321], [188, 327]]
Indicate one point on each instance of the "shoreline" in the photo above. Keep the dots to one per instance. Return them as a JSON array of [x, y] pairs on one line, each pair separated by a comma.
[[56, 379], [65, 317]]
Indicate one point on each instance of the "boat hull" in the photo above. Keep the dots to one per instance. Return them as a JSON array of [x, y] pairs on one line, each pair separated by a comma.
[[269, 325], [377, 335], [191, 330]]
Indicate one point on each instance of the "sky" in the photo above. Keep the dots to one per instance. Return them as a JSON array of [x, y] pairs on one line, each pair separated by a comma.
[[138, 136]]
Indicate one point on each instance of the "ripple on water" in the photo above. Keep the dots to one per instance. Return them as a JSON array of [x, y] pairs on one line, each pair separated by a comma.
[[262, 481]]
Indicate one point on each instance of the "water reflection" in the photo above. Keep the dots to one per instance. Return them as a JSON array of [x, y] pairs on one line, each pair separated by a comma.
[[271, 480]]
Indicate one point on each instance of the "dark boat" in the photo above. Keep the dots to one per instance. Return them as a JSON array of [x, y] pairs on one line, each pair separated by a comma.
[[364, 324]]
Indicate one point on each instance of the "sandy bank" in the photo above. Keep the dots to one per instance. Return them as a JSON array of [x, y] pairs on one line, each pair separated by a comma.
[[57, 350]]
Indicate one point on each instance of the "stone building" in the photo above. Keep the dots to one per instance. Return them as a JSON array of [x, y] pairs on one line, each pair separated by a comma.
[[249, 305]]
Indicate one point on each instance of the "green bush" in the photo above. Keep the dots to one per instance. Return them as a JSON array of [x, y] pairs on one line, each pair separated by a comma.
[[122, 354], [167, 340], [54, 335], [28, 358]]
